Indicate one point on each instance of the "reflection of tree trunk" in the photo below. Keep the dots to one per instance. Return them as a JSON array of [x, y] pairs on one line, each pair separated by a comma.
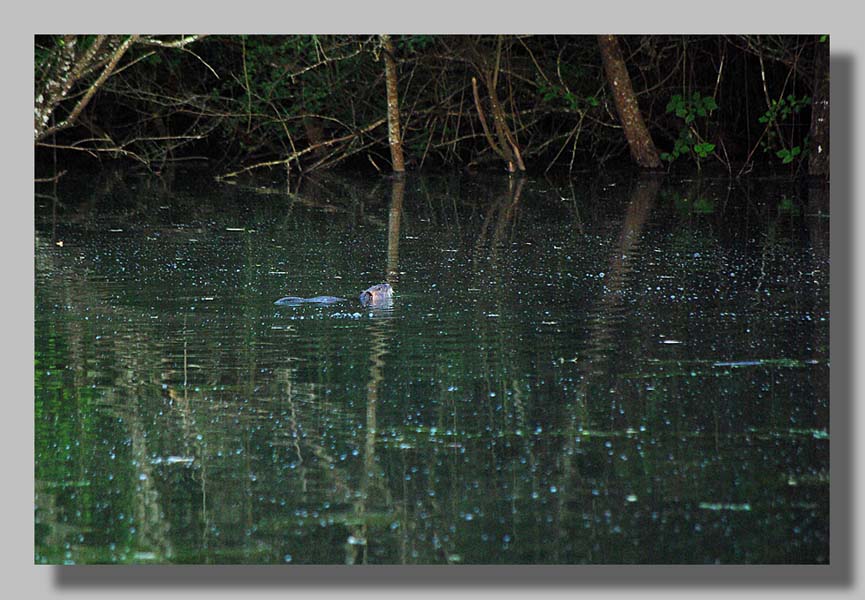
[[600, 325], [817, 219], [818, 229], [393, 127], [373, 491], [50, 517], [397, 191], [818, 162], [515, 189], [642, 201], [152, 528], [499, 215], [636, 215], [642, 147], [498, 220]]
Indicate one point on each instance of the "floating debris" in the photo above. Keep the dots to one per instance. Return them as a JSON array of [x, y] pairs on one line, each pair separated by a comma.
[[744, 507], [173, 460]]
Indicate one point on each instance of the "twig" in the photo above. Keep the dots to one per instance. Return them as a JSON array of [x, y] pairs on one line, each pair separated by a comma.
[[307, 150], [50, 179]]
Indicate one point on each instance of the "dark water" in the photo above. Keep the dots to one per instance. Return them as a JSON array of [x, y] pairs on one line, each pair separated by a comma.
[[607, 370]]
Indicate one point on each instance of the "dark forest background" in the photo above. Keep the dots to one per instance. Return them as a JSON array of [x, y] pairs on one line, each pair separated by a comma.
[[734, 104]]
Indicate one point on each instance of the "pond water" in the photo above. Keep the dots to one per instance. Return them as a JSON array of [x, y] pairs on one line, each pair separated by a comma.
[[610, 369]]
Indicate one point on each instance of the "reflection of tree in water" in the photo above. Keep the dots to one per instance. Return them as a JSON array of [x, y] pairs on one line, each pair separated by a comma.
[[610, 310], [374, 494], [279, 427], [594, 368], [124, 398]]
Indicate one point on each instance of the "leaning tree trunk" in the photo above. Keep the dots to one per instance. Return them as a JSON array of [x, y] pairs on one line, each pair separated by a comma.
[[393, 129], [506, 146], [818, 162], [56, 91], [642, 147]]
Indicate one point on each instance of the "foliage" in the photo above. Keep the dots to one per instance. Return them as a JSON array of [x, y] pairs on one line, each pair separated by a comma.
[[685, 205], [689, 108], [788, 206], [553, 93], [414, 43], [780, 112], [238, 100]]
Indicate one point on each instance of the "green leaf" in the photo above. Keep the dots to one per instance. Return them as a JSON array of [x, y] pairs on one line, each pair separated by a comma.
[[786, 205], [704, 205]]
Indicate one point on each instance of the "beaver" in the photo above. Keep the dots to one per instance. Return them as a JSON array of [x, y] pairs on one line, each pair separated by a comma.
[[378, 296], [294, 300]]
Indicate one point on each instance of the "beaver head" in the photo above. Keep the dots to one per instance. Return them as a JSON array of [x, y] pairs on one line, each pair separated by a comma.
[[378, 296]]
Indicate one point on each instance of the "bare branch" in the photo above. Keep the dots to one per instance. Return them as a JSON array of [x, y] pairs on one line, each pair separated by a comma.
[[106, 73]]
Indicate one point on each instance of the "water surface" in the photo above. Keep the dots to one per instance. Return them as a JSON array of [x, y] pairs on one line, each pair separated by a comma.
[[604, 370]]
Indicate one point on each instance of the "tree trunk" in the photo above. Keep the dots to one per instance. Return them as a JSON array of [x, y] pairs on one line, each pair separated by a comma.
[[818, 162], [506, 146], [393, 129], [642, 147], [71, 76]]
